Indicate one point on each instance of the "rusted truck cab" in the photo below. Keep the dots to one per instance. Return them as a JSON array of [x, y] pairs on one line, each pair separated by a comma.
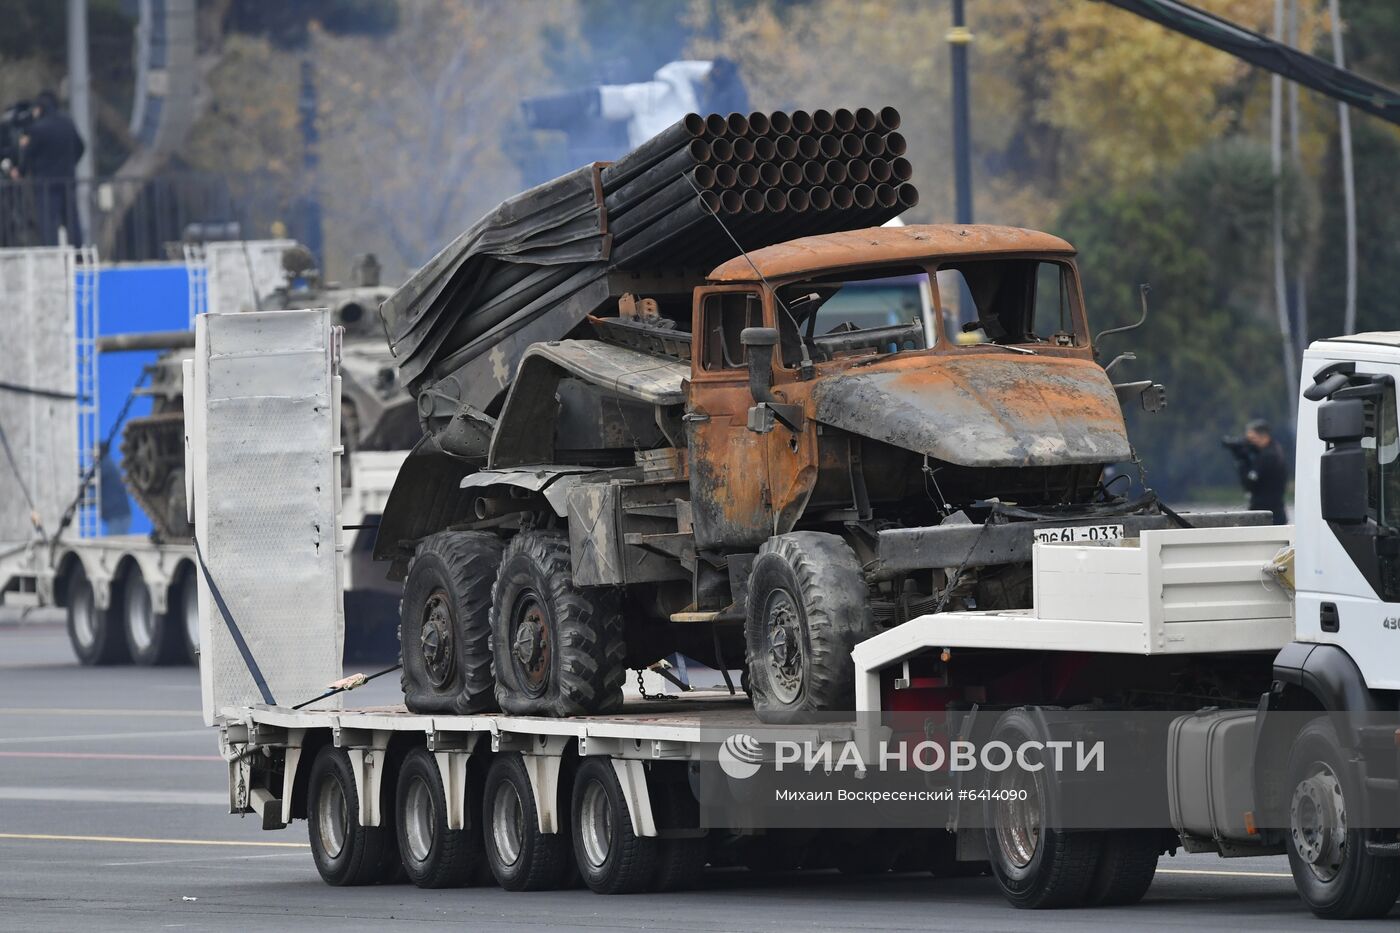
[[925, 415]]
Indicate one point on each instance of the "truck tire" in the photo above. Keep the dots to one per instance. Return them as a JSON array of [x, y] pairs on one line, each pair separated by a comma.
[[433, 855], [1127, 865], [345, 852], [521, 857], [559, 648], [680, 860], [445, 623], [1035, 867], [808, 606], [1335, 875], [151, 639], [611, 859], [95, 637]]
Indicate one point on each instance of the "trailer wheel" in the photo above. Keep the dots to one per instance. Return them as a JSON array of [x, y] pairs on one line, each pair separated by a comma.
[[521, 857], [808, 606], [1335, 875], [610, 857], [1127, 865], [151, 638], [559, 648], [680, 860], [1035, 867], [433, 855], [345, 852], [184, 612], [96, 640], [445, 622]]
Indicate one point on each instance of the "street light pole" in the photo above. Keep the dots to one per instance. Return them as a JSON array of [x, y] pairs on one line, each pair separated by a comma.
[[959, 37]]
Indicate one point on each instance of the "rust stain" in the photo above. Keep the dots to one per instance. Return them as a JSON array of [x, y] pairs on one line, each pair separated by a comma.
[[829, 252]]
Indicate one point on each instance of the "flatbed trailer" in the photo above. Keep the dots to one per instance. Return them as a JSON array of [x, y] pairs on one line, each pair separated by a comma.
[[627, 799], [133, 598]]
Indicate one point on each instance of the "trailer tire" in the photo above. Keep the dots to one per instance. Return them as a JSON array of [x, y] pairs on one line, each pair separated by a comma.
[[1127, 865], [445, 623], [182, 609], [1035, 867], [92, 632], [345, 852], [521, 857], [559, 648], [1335, 875], [808, 606], [680, 860], [151, 638], [611, 858], [433, 855]]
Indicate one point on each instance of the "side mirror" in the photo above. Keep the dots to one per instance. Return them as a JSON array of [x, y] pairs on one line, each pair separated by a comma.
[[1341, 420], [1344, 487], [760, 342]]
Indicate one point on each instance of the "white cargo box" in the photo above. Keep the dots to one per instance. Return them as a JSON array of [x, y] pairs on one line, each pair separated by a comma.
[[1168, 580]]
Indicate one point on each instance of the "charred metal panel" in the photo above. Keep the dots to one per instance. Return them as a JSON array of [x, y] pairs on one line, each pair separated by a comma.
[[525, 431], [730, 498], [967, 545], [427, 497], [595, 543], [983, 410], [605, 517]]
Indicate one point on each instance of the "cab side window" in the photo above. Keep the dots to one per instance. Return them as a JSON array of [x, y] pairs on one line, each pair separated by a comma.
[[723, 317], [1383, 492]]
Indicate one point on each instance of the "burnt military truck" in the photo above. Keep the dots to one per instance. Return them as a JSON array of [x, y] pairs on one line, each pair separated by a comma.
[[628, 458]]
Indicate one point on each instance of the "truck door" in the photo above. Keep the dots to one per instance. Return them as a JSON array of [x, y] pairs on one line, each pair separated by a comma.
[[1349, 564], [731, 504]]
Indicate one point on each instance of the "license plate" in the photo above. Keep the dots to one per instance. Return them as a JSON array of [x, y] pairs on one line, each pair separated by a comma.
[[1080, 534]]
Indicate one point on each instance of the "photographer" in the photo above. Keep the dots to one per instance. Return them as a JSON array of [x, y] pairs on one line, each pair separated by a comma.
[[49, 152], [1263, 468]]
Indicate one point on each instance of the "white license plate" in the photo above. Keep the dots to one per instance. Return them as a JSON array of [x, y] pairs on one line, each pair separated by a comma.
[[1080, 534]]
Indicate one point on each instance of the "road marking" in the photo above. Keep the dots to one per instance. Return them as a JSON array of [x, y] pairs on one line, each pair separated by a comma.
[[212, 858], [103, 795], [138, 840], [110, 756], [107, 711], [1228, 873], [95, 736]]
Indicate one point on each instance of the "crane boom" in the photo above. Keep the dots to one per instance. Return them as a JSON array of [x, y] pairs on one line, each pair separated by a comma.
[[1257, 49]]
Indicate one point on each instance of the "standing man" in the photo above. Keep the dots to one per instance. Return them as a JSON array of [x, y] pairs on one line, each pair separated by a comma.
[[1263, 469], [49, 152]]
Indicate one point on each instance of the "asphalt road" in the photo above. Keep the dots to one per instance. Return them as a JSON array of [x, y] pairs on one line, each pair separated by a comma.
[[112, 817]]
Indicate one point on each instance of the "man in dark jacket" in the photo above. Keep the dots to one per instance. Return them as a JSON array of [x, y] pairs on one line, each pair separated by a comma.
[[49, 152], [1263, 470]]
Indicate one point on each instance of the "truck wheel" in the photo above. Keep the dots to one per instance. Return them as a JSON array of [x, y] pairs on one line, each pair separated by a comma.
[[521, 857], [1127, 865], [94, 636], [559, 648], [1035, 867], [151, 639], [345, 852], [1335, 875], [808, 606], [680, 860], [445, 623], [433, 855], [611, 859]]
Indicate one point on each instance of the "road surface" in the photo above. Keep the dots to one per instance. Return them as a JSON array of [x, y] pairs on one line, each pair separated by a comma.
[[113, 817]]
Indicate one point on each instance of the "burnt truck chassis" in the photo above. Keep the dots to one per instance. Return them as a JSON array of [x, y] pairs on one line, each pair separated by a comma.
[[623, 501]]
